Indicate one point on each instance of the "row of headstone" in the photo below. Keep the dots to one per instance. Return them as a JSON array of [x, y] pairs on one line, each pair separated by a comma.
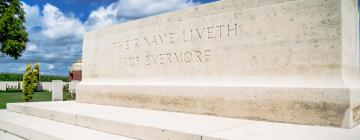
[[10, 85], [42, 86], [56, 87]]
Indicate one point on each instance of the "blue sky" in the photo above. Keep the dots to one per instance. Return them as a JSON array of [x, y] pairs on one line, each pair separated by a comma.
[[56, 28]]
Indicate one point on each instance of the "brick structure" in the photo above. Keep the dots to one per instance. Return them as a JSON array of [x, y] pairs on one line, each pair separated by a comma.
[[75, 71]]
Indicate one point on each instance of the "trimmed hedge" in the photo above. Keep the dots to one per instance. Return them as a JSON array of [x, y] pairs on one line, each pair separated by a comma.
[[19, 77]]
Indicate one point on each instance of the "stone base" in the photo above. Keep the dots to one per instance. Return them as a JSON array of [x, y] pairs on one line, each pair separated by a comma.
[[312, 106], [147, 124]]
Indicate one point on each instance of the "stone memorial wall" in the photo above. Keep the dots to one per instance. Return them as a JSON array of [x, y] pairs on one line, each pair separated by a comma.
[[279, 60]]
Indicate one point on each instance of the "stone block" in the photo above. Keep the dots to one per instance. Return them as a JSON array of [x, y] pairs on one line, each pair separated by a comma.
[[293, 61], [57, 90]]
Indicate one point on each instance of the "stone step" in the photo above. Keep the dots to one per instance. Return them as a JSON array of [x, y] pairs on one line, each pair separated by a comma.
[[160, 125], [16, 126], [7, 136]]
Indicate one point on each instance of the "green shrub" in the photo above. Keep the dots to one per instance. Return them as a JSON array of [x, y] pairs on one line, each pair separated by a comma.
[[37, 74], [67, 94], [30, 82]]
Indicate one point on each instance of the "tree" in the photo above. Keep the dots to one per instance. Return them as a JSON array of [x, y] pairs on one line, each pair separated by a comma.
[[30, 82], [13, 35], [36, 67], [36, 73]]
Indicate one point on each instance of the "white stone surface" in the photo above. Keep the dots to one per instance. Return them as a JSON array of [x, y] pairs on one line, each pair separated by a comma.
[[291, 61], [57, 90], [35, 128], [48, 86], [45, 86], [160, 125], [7, 136], [281, 131], [290, 55]]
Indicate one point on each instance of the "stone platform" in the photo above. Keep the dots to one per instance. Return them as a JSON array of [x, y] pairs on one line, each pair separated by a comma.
[[70, 120], [15, 126]]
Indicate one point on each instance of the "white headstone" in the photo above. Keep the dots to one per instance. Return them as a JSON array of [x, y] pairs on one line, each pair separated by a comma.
[[57, 90], [2, 86]]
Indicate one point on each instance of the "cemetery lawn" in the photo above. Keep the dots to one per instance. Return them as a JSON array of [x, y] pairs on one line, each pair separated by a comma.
[[16, 96]]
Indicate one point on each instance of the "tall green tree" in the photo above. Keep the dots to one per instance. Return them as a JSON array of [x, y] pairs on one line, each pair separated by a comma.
[[13, 35]]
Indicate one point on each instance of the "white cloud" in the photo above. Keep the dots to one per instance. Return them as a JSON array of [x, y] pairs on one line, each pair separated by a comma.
[[31, 47], [56, 38], [32, 16], [140, 8], [124, 10], [101, 17], [56, 25], [50, 66]]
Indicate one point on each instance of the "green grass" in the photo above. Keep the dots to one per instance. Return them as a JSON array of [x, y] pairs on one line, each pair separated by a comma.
[[16, 96]]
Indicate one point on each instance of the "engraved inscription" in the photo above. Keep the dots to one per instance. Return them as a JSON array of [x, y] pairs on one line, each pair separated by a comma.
[[169, 40], [146, 41], [199, 56]]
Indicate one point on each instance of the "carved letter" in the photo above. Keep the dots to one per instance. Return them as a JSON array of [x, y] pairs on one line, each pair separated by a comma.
[[127, 44], [171, 38], [148, 59], [189, 58], [179, 59], [154, 58], [184, 36], [209, 29], [137, 42], [131, 61], [161, 40], [207, 55], [169, 57], [161, 58], [147, 41], [232, 29], [198, 55], [138, 60], [154, 41], [191, 35], [220, 30], [200, 34]]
